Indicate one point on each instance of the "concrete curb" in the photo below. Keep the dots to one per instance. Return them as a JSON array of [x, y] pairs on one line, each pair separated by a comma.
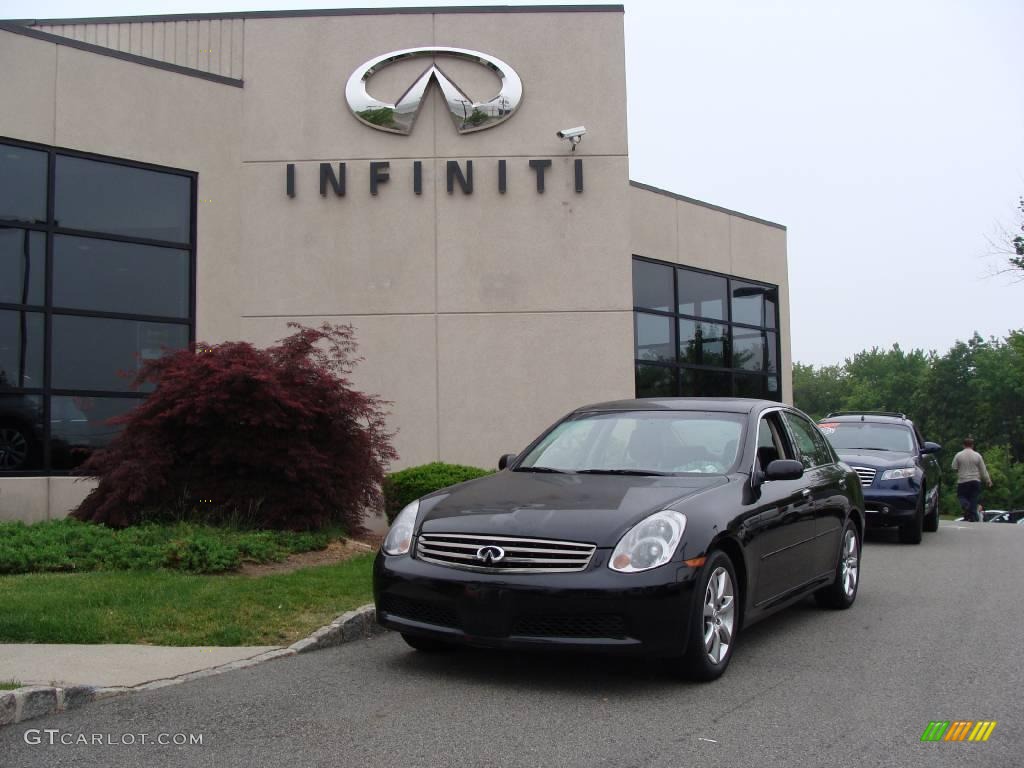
[[34, 701]]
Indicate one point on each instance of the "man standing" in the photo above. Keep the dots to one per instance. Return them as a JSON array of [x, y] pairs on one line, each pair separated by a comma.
[[970, 471]]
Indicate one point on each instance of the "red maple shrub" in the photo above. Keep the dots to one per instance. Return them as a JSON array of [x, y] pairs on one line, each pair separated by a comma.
[[276, 436]]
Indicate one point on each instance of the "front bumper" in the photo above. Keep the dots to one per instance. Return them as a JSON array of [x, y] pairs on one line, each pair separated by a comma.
[[885, 508], [596, 609]]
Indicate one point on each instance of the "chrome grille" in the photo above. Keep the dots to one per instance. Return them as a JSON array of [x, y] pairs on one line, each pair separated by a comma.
[[459, 550], [866, 475]]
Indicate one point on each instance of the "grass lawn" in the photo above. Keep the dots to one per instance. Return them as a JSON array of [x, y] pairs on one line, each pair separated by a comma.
[[169, 608], [9, 685]]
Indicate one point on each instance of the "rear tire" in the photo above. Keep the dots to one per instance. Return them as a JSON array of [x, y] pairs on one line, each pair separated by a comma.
[[714, 621], [426, 644], [841, 593], [911, 532], [931, 520]]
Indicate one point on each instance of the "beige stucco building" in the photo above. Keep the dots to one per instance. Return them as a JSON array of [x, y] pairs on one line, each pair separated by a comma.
[[483, 313]]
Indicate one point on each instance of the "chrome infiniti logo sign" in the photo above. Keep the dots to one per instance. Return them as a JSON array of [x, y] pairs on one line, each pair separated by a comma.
[[468, 115], [490, 554]]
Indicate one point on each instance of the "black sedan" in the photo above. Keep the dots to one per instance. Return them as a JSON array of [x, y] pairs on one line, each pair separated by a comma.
[[660, 526]]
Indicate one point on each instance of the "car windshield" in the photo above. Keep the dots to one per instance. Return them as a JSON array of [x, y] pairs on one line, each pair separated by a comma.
[[641, 443], [852, 435]]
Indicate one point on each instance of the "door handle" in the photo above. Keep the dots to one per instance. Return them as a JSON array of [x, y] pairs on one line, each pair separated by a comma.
[[806, 493]]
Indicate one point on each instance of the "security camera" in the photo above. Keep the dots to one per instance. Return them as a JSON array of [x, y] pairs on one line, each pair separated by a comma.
[[572, 134]]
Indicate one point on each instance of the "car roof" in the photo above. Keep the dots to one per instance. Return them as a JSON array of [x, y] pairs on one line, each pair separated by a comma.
[[875, 418], [725, 404]]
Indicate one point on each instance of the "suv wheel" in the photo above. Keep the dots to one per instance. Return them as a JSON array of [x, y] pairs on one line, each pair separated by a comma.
[[910, 533], [931, 520]]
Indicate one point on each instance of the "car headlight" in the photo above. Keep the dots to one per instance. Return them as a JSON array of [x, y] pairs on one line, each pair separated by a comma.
[[898, 474], [399, 538], [649, 543]]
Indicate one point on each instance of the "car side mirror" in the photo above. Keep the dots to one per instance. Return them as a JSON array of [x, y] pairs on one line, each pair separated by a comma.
[[784, 469], [505, 460], [930, 447]]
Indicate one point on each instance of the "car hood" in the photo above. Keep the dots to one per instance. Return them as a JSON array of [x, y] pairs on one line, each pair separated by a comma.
[[588, 508], [862, 457]]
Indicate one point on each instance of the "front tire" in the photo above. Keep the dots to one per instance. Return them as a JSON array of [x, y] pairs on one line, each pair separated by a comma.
[[931, 520], [910, 533], [714, 622], [841, 593], [426, 644]]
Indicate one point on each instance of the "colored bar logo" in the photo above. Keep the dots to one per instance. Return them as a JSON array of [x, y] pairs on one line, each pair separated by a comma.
[[958, 730]]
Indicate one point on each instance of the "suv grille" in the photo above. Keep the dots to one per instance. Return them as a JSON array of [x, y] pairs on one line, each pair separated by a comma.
[[460, 550], [866, 475]]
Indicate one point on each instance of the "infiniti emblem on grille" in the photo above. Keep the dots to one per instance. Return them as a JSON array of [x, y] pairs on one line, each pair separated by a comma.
[[490, 554]]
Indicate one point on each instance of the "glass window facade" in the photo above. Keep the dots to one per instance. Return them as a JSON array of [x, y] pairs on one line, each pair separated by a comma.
[[701, 333], [97, 275]]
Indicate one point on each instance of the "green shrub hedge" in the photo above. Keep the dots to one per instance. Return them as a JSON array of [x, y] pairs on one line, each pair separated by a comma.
[[407, 485], [70, 545]]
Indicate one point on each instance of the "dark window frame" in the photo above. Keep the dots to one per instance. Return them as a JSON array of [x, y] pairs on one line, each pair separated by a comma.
[[50, 230], [677, 367]]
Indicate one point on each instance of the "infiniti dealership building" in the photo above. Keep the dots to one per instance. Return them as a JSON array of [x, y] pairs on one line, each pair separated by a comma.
[[213, 177]]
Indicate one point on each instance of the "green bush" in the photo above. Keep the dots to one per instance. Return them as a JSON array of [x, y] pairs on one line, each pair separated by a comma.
[[70, 545], [401, 488]]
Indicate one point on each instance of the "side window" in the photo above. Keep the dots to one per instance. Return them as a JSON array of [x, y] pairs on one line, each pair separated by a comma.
[[809, 442], [771, 441]]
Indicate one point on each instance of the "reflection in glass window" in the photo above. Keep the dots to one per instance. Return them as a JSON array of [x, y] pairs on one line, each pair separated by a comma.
[[21, 433], [749, 350], [89, 273], [655, 381], [702, 295], [22, 266], [22, 183], [98, 305], [751, 385], [135, 202], [652, 286], [748, 304], [80, 425], [703, 343], [654, 338], [716, 347], [90, 352], [21, 349], [694, 382], [771, 307]]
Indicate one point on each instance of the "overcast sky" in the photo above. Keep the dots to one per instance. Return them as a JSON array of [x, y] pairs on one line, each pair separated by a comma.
[[888, 136]]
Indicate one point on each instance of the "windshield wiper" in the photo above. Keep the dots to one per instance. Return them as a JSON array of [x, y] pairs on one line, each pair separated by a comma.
[[541, 469], [640, 472]]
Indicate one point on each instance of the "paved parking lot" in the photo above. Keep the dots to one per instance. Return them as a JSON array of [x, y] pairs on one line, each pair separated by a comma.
[[935, 634]]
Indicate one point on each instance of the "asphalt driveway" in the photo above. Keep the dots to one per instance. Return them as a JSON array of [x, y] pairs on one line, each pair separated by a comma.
[[935, 634]]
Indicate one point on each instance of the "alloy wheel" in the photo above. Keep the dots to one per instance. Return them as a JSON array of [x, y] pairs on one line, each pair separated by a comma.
[[849, 564], [719, 615], [13, 449]]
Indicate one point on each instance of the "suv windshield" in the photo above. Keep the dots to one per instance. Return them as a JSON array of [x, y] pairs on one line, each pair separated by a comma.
[[851, 435], [640, 442]]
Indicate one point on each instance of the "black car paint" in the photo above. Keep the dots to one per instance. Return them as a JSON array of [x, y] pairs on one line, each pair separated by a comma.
[[782, 535]]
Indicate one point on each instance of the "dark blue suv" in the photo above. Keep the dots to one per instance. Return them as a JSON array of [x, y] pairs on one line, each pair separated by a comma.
[[898, 470]]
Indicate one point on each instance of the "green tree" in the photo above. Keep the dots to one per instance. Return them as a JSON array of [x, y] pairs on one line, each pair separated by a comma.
[[816, 392]]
